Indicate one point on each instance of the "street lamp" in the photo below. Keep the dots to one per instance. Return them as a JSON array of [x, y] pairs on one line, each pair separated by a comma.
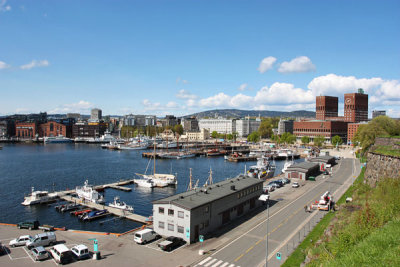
[[266, 199]]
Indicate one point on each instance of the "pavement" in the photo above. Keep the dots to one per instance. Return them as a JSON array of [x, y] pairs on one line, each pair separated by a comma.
[[242, 243]]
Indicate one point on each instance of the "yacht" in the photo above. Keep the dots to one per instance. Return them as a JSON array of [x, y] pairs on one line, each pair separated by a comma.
[[177, 155], [168, 145], [88, 193], [39, 197], [56, 139], [263, 169], [144, 183], [287, 165], [120, 204]]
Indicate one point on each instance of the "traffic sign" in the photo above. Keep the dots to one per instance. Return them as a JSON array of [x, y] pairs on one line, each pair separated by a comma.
[[187, 232], [278, 255], [201, 238]]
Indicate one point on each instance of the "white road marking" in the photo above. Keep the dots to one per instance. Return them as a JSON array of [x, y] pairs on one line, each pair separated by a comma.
[[218, 263], [232, 265], [204, 261], [211, 262], [27, 252], [223, 265], [20, 258]]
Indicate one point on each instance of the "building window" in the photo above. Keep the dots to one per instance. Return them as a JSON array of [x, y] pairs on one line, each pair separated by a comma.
[[206, 209], [180, 229], [161, 225], [180, 214], [161, 210], [170, 212], [170, 227]]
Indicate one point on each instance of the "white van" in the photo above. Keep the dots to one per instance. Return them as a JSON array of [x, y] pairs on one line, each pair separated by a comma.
[[81, 252], [144, 236], [61, 254], [43, 239]]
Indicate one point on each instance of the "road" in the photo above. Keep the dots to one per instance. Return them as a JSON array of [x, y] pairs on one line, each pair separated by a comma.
[[287, 217]]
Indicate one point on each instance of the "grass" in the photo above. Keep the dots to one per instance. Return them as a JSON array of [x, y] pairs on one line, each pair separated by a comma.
[[387, 150]]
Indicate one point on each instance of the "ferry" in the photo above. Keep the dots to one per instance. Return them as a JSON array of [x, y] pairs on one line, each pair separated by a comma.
[[39, 197], [263, 169], [88, 193], [56, 139]]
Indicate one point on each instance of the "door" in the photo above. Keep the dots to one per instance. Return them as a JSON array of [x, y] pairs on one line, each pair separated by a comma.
[[225, 216], [239, 210], [252, 203], [196, 233]]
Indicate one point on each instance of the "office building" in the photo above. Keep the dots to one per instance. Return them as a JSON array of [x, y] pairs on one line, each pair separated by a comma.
[[220, 125], [376, 113], [246, 126], [95, 114]]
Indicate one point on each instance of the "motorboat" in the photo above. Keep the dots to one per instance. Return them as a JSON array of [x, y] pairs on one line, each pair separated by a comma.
[[95, 214], [120, 204], [133, 146], [112, 145], [56, 139], [39, 197], [263, 169], [106, 138], [287, 165], [167, 145], [144, 183], [88, 193], [177, 155]]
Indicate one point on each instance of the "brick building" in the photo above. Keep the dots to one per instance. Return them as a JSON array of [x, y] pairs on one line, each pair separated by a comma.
[[82, 129], [356, 107], [352, 130], [325, 128], [53, 128], [326, 106], [26, 130]]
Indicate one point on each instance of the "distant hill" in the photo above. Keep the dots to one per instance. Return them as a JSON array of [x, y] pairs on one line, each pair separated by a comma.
[[237, 113]]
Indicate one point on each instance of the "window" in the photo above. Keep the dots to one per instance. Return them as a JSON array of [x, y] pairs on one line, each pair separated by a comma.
[[170, 227], [161, 225], [180, 229], [170, 212], [206, 209], [180, 214], [161, 210]]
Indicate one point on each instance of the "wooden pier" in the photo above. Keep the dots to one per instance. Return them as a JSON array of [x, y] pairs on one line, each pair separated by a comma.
[[240, 159]]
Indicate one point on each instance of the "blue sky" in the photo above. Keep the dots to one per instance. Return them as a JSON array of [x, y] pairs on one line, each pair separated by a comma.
[[180, 57]]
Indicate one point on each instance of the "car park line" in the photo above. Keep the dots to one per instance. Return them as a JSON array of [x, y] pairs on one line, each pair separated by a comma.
[[27, 252]]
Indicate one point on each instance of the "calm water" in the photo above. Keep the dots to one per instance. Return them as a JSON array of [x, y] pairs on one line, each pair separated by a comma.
[[65, 166]]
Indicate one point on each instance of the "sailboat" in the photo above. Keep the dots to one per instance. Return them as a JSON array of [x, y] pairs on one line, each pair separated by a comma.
[[158, 179]]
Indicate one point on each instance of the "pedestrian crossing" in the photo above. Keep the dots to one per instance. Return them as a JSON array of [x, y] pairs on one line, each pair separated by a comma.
[[212, 262]]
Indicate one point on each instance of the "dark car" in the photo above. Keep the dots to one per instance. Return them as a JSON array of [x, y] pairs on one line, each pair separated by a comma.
[[28, 225], [170, 243], [279, 183], [2, 249]]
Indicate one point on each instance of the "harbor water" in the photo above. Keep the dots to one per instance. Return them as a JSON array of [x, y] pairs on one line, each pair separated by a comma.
[[56, 167]]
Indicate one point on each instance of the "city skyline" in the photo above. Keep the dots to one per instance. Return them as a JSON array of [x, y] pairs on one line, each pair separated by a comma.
[[183, 57]]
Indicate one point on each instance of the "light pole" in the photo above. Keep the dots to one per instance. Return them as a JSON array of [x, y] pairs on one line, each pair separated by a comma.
[[266, 199]]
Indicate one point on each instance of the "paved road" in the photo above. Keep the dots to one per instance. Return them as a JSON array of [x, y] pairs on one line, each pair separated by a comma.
[[286, 218]]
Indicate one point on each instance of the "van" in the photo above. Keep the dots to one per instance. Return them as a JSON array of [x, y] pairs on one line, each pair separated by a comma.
[[61, 254], [145, 236], [43, 239], [81, 252]]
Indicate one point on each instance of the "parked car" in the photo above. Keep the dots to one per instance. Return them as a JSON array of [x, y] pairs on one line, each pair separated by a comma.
[[145, 236], [269, 188], [61, 254], [39, 253], [295, 185], [280, 183], [285, 180], [81, 252], [2, 249], [20, 241], [170, 243], [28, 225], [43, 239], [275, 184]]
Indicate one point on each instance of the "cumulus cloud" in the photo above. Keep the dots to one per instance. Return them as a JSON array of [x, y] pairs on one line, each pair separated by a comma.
[[183, 94], [4, 7], [298, 64], [35, 64], [3, 65], [283, 93], [82, 107], [266, 64], [158, 107], [242, 87]]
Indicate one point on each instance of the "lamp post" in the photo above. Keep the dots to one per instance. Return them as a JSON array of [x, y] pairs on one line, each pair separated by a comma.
[[266, 199]]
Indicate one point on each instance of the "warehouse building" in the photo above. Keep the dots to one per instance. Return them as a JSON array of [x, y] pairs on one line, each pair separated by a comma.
[[199, 212], [302, 170]]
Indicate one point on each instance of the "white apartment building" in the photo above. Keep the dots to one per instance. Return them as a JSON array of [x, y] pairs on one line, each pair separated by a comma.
[[220, 125], [246, 126]]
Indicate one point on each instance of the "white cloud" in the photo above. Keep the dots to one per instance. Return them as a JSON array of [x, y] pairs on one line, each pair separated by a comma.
[[242, 87], [393, 113], [179, 80], [158, 107], [82, 107], [172, 104], [34, 64], [279, 93], [183, 94], [298, 64], [4, 7], [3, 65], [389, 90], [266, 64]]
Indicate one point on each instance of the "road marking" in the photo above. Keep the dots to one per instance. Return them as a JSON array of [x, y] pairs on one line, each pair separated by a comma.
[[20, 258], [258, 242], [218, 263], [250, 248], [29, 255], [204, 261], [238, 258], [211, 262], [226, 263]]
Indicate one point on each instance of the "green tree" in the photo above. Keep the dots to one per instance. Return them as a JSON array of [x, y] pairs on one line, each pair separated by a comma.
[[229, 136], [178, 129], [319, 140], [253, 137], [305, 140], [265, 129], [336, 140], [214, 134]]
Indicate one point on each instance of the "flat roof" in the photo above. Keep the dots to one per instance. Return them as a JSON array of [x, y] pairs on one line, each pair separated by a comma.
[[303, 166], [201, 196], [322, 159]]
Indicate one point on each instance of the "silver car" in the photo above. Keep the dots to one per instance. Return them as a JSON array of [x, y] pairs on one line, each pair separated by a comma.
[[39, 253], [20, 241]]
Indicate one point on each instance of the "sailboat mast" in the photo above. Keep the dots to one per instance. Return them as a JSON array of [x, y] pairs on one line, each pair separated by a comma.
[[190, 179], [154, 168]]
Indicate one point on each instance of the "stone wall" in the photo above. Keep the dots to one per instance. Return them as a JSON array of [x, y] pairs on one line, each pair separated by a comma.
[[381, 166], [386, 141]]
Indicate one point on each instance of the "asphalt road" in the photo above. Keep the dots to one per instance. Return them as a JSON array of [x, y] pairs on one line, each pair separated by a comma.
[[287, 217]]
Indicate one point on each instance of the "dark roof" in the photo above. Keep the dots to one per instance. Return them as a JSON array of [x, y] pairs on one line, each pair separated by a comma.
[[303, 166], [324, 159], [201, 196]]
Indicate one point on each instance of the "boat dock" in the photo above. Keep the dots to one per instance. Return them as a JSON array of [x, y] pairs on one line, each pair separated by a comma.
[[240, 159]]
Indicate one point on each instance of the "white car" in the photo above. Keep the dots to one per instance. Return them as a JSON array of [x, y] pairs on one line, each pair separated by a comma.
[[81, 252], [20, 241], [295, 185]]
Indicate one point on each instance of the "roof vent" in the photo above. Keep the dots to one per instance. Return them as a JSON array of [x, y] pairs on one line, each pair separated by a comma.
[[181, 197], [209, 188], [218, 185], [233, 187]]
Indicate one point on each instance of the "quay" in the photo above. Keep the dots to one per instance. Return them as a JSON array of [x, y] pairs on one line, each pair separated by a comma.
[[240, 159]]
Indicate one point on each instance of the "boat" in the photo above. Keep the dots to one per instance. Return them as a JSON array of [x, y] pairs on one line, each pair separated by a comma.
[[120, 205], [287, 165], [56, 139], [88, 193], [105, 138], [167, 145], [263, 169], [95, 214], [144, 182], [177, 155], [112, 145], [79, 212], [214, 153], [39, 197], [68, 207]]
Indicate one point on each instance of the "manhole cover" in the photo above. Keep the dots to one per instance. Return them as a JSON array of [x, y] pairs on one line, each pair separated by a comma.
[[279, 199]]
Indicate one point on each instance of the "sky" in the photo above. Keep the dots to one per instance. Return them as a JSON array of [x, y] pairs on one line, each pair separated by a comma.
[[181, 57]]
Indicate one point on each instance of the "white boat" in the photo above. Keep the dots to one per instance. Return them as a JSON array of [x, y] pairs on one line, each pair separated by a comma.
[[56, 139], [106, 138], [88, 193], [144, 183], [263, 169], [120, 204], [177, 155], [39, 197], [133, 146], [287, 165], [167, 145]]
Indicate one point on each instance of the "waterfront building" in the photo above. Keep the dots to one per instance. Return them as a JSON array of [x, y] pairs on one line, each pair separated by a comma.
[[203, 210], [376, 113], [246, 126], [139, 120], [170, 120], [7, 128], [190, 124], [285, 126], [201, 135], [314, 128], [302, 170], [54, 128], [26, 130], [95, 114], [220, 125], [83, 129], [356, 106]]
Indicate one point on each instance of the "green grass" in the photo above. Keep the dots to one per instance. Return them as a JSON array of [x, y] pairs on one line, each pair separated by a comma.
[[387, 150]]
